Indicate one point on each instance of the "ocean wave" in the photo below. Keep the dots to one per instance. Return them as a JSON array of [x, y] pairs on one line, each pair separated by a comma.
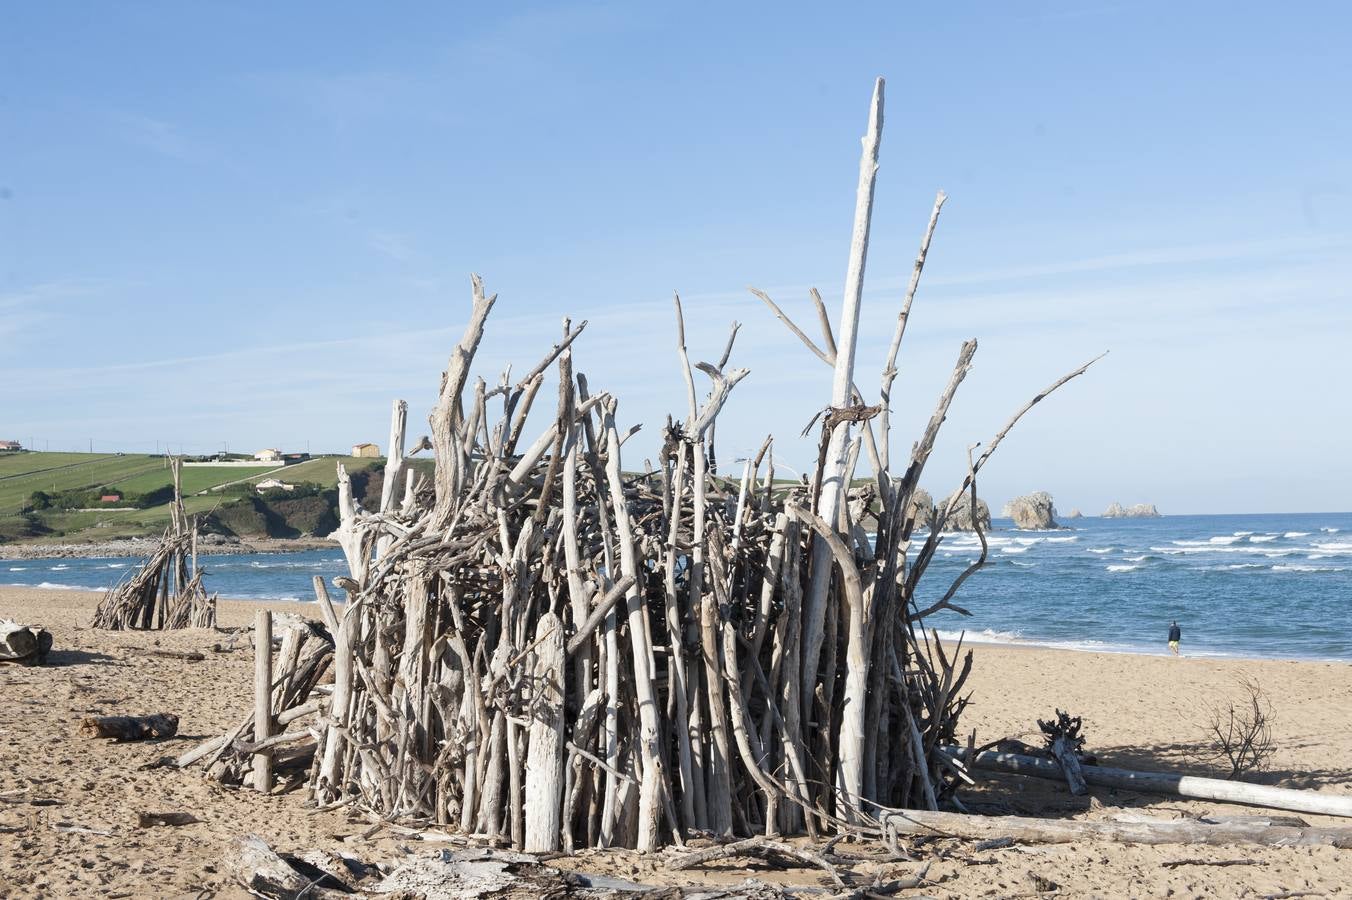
[[1063, 540], [1330, 530], [1028, 542], [1098, 550], [52, 586], [1296, 568], [59, 568], [1116, 568], [1241, 533], [117, 565], [18, 568], [1256, 551], [1141, 558], [1341, 547], [985, 636], [1263, 538], [1023, 565], [1014, 549], [1296, 534], [1245, 566]]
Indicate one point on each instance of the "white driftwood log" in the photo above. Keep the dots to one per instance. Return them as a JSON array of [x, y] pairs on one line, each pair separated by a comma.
[[849, 775], [262, 760], [1136, 831], [544, 759], [1176, 785]]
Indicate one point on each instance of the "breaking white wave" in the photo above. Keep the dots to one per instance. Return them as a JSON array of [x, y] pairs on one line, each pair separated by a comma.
[[1062, 540], [59, 568], [1342, 547], [1309, 569], [51, 586], [1098, 550], [18, 568], [1263, 538], [1116, 568], [1330, 530], [1296, 534], [1241, 533], [1141, 558], [1014, 549], [985, 636]]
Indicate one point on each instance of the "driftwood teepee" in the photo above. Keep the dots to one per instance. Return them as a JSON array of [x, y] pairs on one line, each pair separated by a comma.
[[166, 590], [546, 647]]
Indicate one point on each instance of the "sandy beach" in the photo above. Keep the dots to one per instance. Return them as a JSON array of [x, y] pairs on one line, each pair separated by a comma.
[[69, 804]]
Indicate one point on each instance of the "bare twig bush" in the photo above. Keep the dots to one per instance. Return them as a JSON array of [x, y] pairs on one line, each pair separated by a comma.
[[1241, 730]]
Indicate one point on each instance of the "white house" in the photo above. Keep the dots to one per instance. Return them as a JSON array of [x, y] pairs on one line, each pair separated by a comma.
[[269, 455]]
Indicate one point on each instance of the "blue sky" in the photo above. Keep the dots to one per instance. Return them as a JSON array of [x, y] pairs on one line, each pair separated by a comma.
[[255, 223]]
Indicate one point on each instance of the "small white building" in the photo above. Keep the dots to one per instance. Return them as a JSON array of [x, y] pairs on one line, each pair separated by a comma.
[[269, 455], [269, 484], [367, 450]]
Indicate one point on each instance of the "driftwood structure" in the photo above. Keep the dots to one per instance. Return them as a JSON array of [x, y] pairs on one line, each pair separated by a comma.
[[272, 742], [549, 647], [166, 590]]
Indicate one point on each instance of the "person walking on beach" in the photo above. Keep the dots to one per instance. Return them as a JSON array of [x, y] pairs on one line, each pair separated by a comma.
[[1175, 635]]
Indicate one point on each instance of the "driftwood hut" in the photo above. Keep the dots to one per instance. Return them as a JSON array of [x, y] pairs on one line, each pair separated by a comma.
[[166, 590], [547, 646]]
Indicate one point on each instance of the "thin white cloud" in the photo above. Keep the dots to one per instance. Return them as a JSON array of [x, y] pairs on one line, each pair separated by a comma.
[[391, 244], [156, 135]]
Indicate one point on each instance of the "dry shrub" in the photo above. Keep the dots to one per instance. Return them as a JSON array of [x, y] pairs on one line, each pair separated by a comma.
[[1241, 730]]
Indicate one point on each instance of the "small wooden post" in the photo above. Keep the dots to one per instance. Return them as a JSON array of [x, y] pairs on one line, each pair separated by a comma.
[[262, 761]]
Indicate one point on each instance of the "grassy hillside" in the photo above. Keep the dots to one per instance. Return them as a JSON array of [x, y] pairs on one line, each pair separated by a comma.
[[234, 509], [23, 473], [195, 478]]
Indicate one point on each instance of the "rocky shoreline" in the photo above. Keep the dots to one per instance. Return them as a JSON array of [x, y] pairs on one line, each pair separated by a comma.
[[212, 544]]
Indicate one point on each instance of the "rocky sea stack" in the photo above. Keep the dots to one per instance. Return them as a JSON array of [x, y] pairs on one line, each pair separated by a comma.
[[961, 518], [1139, 511], [1034, 511]]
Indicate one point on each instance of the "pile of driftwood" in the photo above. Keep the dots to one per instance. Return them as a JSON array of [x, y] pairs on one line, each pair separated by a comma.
[[272, 741], [548, 647], [166, 590]]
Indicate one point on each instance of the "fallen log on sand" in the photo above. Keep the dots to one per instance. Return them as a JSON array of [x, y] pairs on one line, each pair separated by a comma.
[[1136, 831], [1174, 784], [26, 644], [131, 728]]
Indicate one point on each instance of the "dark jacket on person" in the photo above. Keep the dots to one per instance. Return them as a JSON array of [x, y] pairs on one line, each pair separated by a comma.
[[1175, 633]]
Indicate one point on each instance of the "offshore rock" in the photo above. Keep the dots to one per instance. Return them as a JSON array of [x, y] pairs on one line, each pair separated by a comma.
[[921, 509], [1032, 512], [1139, 511], [960, 519], [1075, 514]]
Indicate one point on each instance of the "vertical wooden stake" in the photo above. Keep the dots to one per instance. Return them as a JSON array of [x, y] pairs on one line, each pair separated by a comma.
[[262, 762], [544, 757]]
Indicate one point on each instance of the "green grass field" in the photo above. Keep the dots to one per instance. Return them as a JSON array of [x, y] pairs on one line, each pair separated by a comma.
[[195, 478], [24, 473], [323, 470]]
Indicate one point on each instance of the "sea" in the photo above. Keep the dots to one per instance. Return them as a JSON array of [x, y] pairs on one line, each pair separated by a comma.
[[1277, 586]]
